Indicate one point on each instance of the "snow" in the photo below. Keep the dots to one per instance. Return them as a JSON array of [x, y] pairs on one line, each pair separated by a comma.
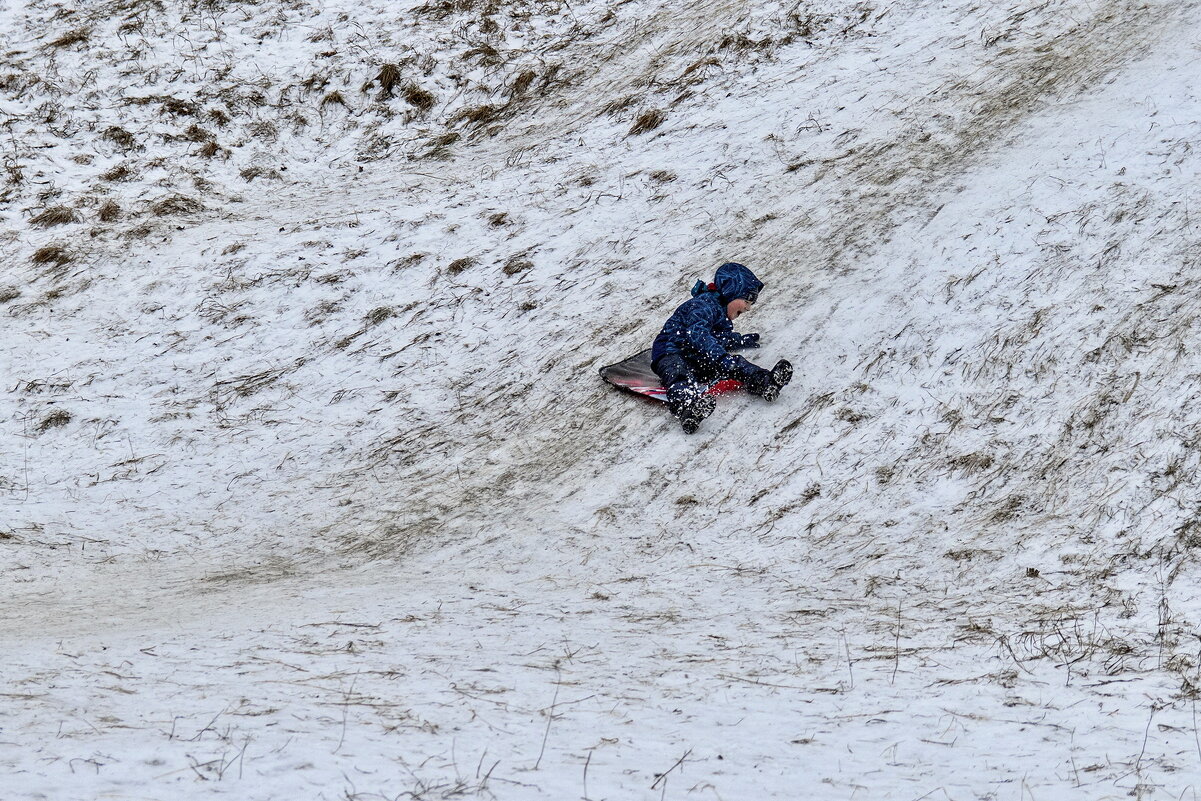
[[338, 507]]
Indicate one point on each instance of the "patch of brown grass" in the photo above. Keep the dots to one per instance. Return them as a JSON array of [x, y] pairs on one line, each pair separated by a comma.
[[195, 133], [517, 264], [378, 315], [250, 173], [119, 173], [459, 265], [332, 98], [52, 254], [56, 419], [388, 79], [120, 137], [72, 38], [521, 83], [475, 115], [176, 204], [648, 120], [55, 215], [109, 212], [417, 97], [175, 106]]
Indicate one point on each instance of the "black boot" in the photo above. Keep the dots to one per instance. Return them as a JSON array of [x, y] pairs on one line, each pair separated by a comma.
[[689, 404], [767, 383], [696, 411]]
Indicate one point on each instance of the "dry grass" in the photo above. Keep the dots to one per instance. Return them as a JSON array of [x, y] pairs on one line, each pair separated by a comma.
[[195, 133], [459, 265], [647, 121], [250, 173], [521, 83], [9, 293], [378, 315], [417, 97], [109, 212], [121, 172], [52, 254], [120, 137], [176, 204], [70, 38], [55, 215], [333, 98], [517, 264], [177, 107], [475, 115], [388, 79], [56, 419]]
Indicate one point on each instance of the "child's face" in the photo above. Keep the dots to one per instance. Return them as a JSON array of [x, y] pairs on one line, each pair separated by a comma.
[[736, 307]]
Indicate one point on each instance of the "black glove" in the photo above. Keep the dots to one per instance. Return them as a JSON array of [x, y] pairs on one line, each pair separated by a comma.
[[750, 340]]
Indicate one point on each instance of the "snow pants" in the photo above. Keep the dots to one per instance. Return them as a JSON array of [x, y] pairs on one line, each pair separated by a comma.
[[685, 381]]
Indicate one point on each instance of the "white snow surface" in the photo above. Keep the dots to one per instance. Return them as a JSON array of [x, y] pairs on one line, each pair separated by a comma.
[[309, 488]]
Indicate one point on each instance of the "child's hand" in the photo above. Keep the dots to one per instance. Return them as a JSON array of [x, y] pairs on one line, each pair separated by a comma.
[[750, 340]]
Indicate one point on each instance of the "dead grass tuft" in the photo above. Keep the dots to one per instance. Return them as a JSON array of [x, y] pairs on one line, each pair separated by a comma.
[[971, 462], [120, 137], [175, 106], [417, 97], [250, 173], [176, 204], [121, 172], [9, 293], [488, 55], [72, 38], [647, 121], [55, 215], [521, 83], [52, 254], [195, 133], [109, 212], [459, 265], [517, 264], [218, 116], [388, 79], [264, 129], [439, 144], [475, 115], [441, 9], [378, 315], [620, 104], [333, 98], [56, 419], [210, 149], [663, 176]]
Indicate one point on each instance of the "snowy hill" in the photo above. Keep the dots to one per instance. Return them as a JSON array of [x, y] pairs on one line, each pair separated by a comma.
[[310, 490]]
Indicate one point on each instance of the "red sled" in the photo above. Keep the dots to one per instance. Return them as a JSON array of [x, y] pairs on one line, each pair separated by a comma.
[[635, 375]]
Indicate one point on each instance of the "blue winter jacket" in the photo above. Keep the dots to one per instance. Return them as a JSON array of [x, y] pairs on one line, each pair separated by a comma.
[[699, 330]]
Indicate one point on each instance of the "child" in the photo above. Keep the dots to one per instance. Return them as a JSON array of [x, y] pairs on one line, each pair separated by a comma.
[[691, 352]]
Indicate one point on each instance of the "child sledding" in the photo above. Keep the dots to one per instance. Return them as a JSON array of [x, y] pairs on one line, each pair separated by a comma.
[[692, 353]]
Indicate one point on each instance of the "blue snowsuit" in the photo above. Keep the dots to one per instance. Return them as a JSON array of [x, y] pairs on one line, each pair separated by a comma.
[[692, 348]]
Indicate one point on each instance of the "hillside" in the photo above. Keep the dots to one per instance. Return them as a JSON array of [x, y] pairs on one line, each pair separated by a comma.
[[310, 490]]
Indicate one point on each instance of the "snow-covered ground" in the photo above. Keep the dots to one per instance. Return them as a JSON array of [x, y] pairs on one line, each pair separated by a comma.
[[309, 489]]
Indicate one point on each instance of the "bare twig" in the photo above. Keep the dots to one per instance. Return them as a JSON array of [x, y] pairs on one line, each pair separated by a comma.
[[663, 776]]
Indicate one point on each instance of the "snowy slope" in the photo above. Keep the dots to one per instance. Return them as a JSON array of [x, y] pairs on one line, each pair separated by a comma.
[[310, 489]]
